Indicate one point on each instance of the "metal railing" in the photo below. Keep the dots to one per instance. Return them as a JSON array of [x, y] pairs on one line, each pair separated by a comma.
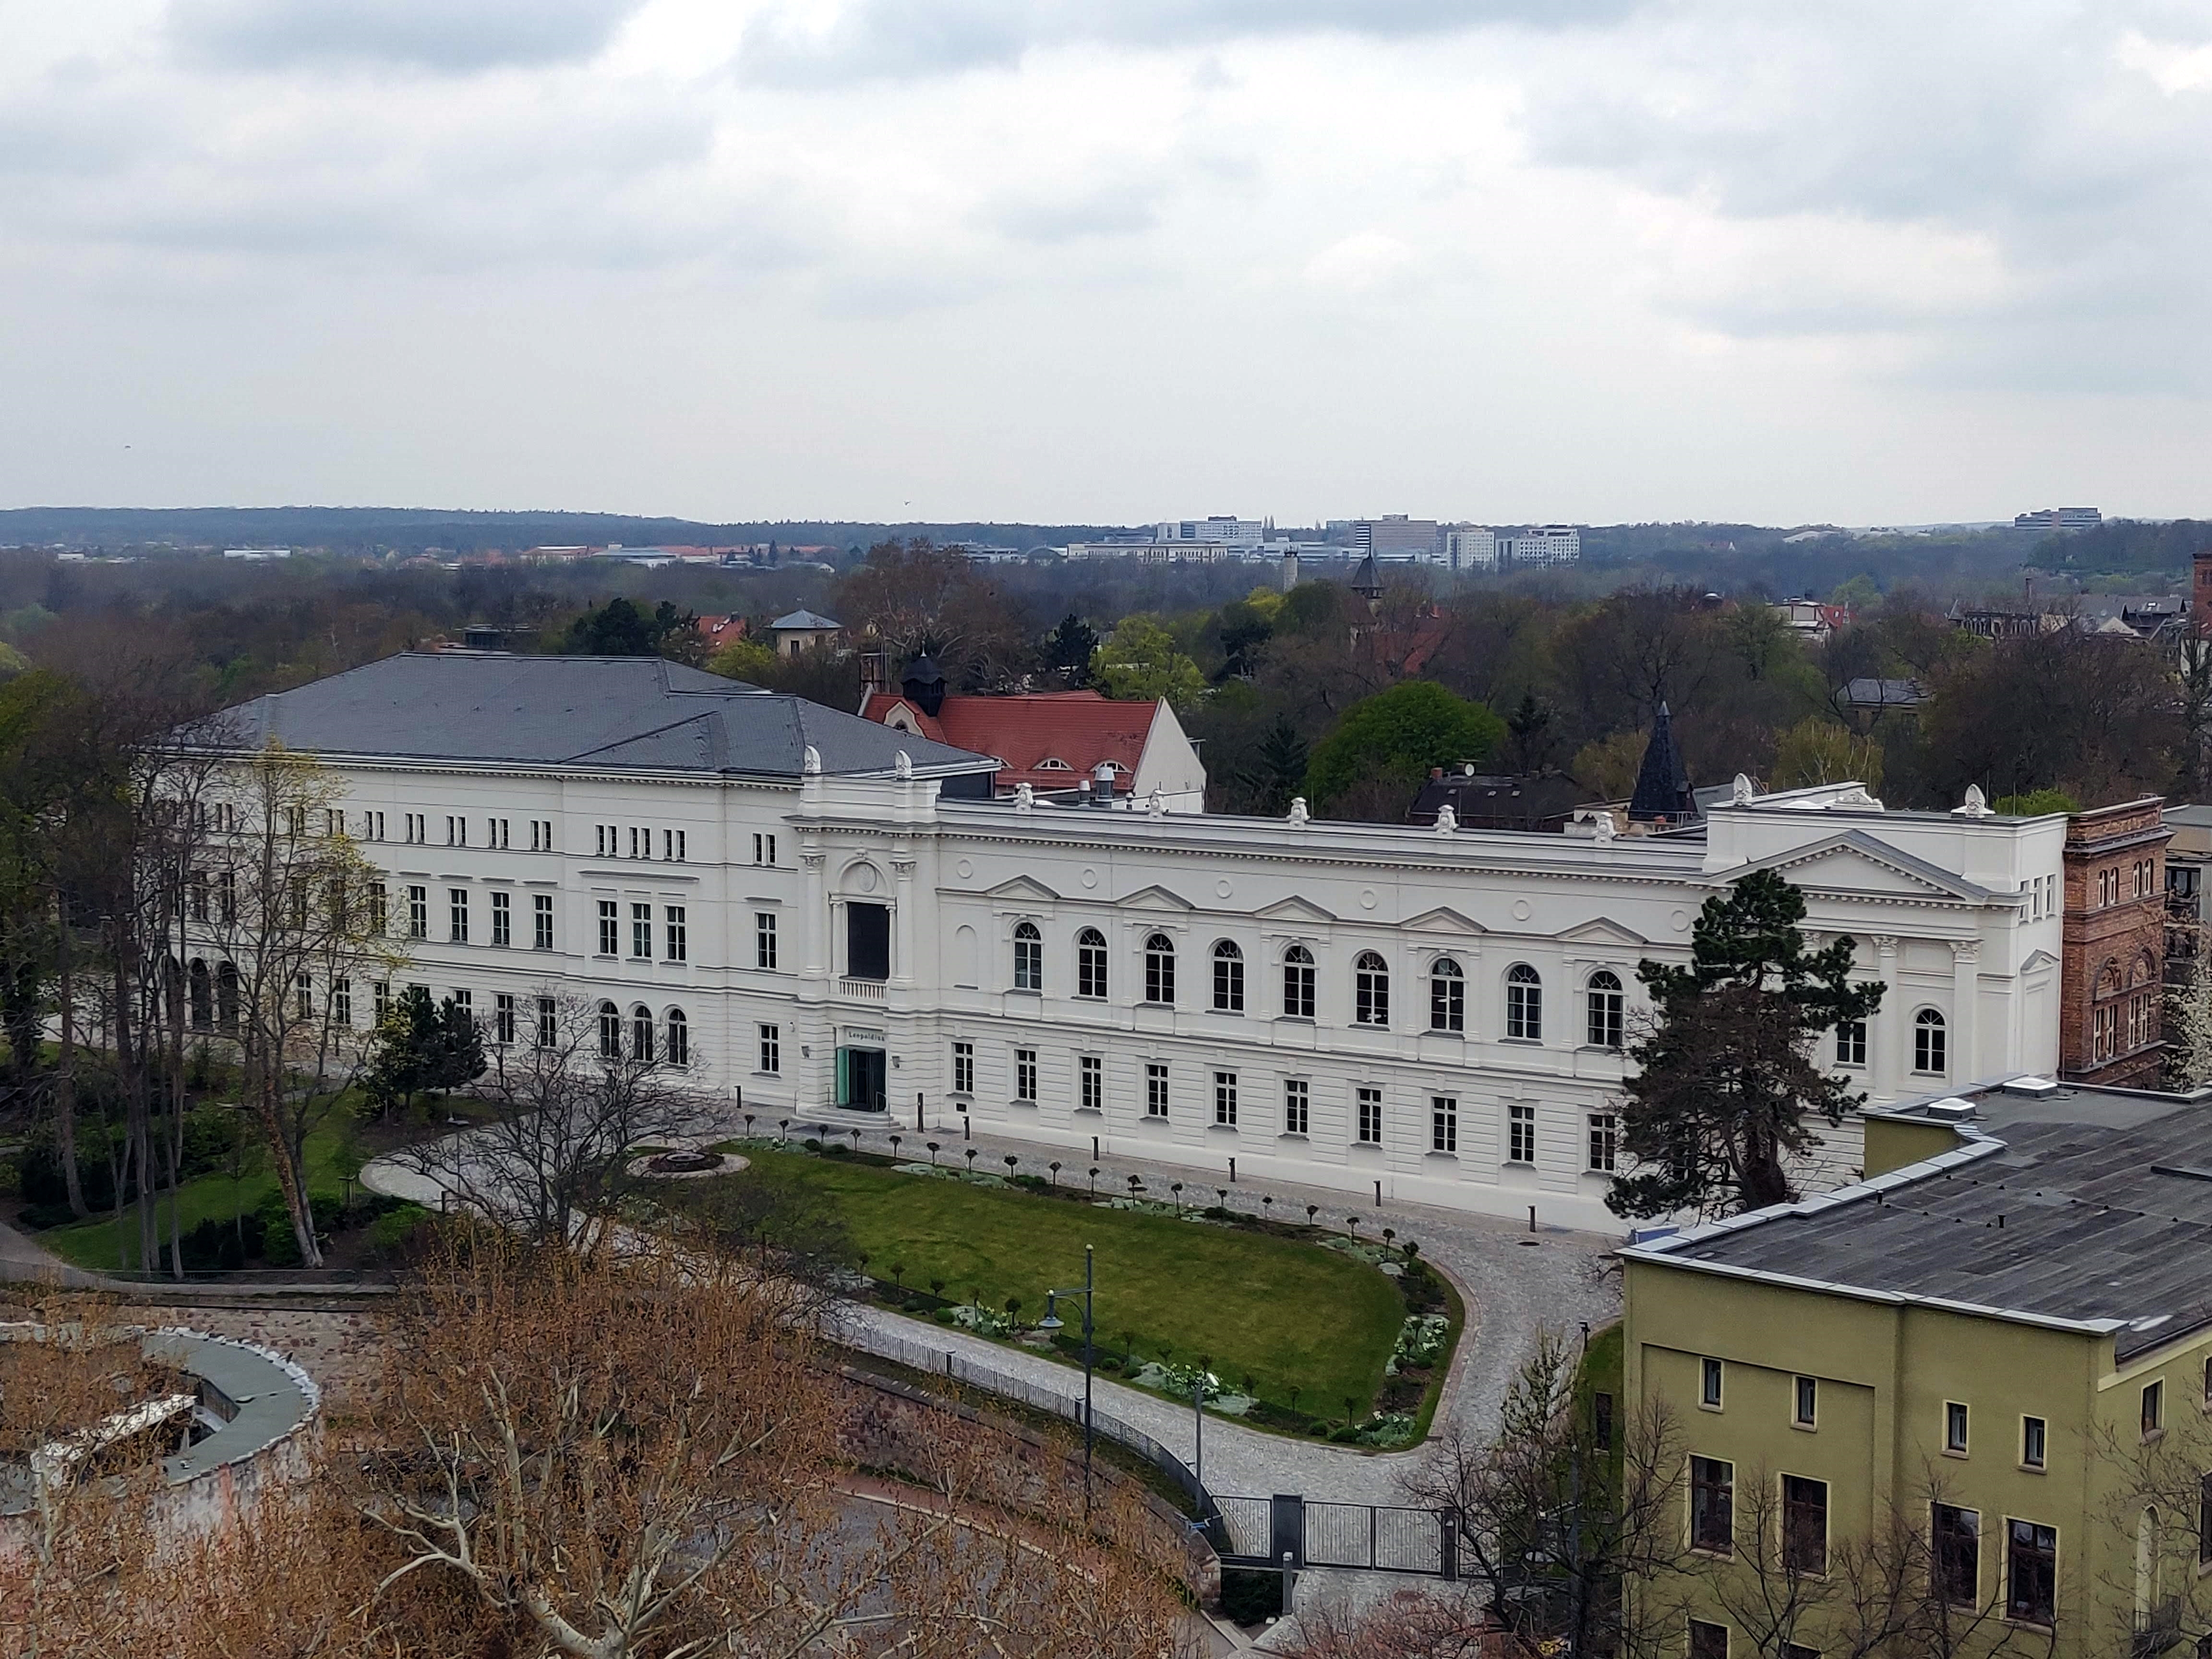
[[956, 1368]]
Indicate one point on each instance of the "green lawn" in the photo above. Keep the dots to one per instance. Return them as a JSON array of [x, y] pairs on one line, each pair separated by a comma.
[[92, 1243], [1287, 1312]]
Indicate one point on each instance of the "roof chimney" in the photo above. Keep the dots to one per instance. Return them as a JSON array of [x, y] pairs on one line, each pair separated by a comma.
[[1102, 784]]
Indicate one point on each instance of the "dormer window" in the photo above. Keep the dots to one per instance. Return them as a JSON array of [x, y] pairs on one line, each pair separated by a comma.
[[1050, 764]]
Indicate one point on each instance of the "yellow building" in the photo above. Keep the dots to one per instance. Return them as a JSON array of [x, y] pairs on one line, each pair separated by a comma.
[[1960, 1407]]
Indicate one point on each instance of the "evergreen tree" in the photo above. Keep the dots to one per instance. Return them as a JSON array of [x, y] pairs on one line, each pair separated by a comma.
[[1278, 766], [1070, 648], [1725, 1082]]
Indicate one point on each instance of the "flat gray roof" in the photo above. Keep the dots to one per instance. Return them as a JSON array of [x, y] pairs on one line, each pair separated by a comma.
[[616, 713], [2083, 1205]]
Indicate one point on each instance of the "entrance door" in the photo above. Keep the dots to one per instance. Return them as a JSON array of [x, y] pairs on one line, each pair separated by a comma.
[[862, 1079]]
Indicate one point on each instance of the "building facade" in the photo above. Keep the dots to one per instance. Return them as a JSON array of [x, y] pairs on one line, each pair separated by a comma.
[[1439, 1013], [1989, 1366], [2114, 970]]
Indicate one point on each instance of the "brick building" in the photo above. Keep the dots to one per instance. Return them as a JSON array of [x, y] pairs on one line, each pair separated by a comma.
[[2113, 964]]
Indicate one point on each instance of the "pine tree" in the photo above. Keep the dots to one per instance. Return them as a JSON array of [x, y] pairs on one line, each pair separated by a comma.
[[1725, 1083]]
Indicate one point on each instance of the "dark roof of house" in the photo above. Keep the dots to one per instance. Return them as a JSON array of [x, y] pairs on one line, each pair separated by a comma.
[[2083, 1205], [613, 713], [1497, 798]]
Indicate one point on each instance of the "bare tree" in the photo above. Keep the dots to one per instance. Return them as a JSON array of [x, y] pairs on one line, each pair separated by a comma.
[[564, 1104], [295, 915]]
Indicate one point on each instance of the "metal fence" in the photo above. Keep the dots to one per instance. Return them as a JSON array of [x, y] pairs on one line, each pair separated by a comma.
[[958, 1368]]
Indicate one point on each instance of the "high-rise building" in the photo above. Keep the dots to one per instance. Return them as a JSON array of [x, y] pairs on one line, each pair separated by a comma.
[[1395, 534], [1470, 547], [2058, 518], [1548, 544], [1218, 528]]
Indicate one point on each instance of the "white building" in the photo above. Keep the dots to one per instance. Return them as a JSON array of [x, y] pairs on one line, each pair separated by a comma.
[[1470, 547], [1233, 531], [1437, 1013], [1548, 544]]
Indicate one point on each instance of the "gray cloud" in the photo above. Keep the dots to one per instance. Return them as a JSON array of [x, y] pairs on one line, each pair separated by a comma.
[[914, 39], [448, 36], [1120, 207]]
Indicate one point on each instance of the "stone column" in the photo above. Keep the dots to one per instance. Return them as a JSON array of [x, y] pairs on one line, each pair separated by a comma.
[[1890, 1030], [903, 923], [815, 927], [1965, 1018]]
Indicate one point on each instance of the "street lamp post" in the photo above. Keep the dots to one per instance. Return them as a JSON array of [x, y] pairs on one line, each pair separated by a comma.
[[1051, 1321]]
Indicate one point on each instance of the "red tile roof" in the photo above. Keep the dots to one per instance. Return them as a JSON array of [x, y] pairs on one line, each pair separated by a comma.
[[1078, 729], [722, 631]]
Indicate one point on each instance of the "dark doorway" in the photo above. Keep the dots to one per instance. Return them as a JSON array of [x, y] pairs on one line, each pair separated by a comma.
[[862, 1079], [867, 941]]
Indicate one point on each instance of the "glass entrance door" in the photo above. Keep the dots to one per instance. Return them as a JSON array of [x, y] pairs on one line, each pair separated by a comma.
[[862, 1079]]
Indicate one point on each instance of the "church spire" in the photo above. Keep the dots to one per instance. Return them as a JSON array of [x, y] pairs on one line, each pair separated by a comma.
[[1662, 782]]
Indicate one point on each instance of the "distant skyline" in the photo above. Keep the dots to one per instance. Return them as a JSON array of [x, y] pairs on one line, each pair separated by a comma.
[[1110, 261]]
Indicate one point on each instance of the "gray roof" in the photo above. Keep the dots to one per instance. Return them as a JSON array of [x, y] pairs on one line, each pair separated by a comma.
[[805, 619], [2086, 1205], [613, 713]]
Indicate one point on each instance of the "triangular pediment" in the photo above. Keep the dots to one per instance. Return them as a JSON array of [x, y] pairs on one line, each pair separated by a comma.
[[1443, 920], [1601, 930], [1154, 898], [2037, 960], [1023, 888], [1293, 909], [1857, 865]]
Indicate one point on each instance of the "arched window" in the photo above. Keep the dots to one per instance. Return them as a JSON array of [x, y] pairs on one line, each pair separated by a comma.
[[1447, 996], [226, 996], [1606, 1005], [1929, 1050], [1298, 983], [1370, 992], [1028, 957], [1524, 1003], [1159, 968], [1228, 978], [610, 1031], [202, 995], [1091, 963], [641, 1035], [679, 1038]]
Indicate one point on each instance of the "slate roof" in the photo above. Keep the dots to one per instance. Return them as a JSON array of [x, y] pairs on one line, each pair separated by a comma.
[[611, 712], [804, 619], [2086, 1205]]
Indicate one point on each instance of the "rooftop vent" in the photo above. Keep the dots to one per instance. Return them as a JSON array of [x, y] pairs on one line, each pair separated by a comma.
[[2035, 1088], [1950, 1111]]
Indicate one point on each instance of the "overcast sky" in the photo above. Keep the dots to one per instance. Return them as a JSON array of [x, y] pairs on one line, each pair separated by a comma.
[[1858, 260]]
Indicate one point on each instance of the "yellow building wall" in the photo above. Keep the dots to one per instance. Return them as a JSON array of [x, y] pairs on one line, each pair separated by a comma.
[[1891, 1143]]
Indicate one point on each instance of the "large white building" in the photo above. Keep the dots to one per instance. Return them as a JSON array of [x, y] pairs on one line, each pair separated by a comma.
[[835, 927]]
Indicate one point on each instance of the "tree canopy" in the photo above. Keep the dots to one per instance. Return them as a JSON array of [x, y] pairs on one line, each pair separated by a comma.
[[1725, 1079], [1141, 660], [1396, 735]]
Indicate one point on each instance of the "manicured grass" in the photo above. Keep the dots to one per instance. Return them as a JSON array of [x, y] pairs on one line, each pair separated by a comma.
[[92, 1243], [1288, 1312]]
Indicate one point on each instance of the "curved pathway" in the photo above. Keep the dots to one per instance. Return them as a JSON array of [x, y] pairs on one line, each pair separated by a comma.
[[1511, 1289]]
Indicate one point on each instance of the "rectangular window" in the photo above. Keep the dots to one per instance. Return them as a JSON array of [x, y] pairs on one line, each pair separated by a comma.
[[1958, 1543], [1156, 1090], [1297, 1103], [765, 940], [541, 921], [379, 912], [1851, 1042], [1805, 1402], [1228, 980], [1370, 1116], [1707, 1640], [2205, 1520], [371, 826], [763, 849], [676, 933], [1604, 1141], [1804, 1525], [1712, 1506], [341, 1003], [1025, 1076], [418, 827], [868, 941], [2031, 1572], [502, 917], [502, 1021], [964, 1068], [1954, 1427], [1443, 1124], [466, 1002], [549, 1023], [1091, 1075], [1708, 1384], [419, 912], [457, 831], [600, 834], [1601, 1420], [334, 821], [771, 1049], [609, 928], [498, 829], [641, 931], [1521, 1134], [1225, 1098], [2154, 1409], [633, 852], [2034, 1442], [541, 835], [672, 845], [379, 998]]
